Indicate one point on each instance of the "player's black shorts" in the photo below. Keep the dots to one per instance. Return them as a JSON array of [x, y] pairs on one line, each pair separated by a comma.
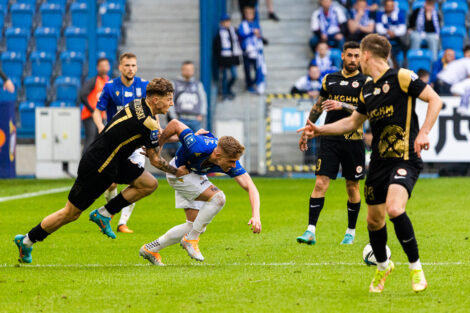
[[383, 173], [90, 184], [350, 154]]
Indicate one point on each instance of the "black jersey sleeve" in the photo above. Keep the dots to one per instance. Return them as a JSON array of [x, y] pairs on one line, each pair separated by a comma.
[[323, 90], [150, 132], [410, 83]]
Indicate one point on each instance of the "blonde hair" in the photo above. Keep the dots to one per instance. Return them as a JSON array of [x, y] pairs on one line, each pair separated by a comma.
[[378, 45], [231, 146]]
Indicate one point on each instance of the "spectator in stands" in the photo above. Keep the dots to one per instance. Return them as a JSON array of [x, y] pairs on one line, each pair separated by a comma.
[[328, 25], [440, 64], [308, 84], [251, 39], [323, 60], [89, 95], [424, 24], [254, 3], [424, 75], [7, 83], [190, 98], [454, 75], [361, 22], [391, 23], [227, 54], [373, 5]]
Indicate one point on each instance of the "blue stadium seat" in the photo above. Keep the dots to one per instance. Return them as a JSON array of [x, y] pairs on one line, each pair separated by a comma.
[[107, 39], [28, 115], [51, 15], [402, 5], [62, 104], [30, 2], [13, 63], [2, 18], [66, 88], [419, 58], [72, 63], [335, 56], [46, 39], [76, 39], [36, 88], [454, 13], [111, 15], [452, 37], [108, 55], [458, 54], [4, 3], [22, 15], [42, 64], [80, 14], [61, 2], [17, 39]]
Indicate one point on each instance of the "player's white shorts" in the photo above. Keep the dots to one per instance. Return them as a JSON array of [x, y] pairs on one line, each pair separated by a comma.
[[187, 188], [138, 158]]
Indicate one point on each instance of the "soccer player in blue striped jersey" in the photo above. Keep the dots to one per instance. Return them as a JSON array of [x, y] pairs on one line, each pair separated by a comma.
[[115, 95], [201, 200]]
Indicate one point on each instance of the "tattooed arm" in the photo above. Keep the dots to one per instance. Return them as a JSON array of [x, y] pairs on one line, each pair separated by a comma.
[[160, 163], [315, 113], [331, 105]]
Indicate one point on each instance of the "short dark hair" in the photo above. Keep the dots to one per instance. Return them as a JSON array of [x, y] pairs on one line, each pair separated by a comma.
[[101, 60], [127, 55], [159, 86], [350, 45], [422, 72], [466, 48], [187, 62], [378, 45]]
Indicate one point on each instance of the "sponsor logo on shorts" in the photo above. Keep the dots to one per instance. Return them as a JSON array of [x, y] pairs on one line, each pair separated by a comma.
[[399, 177], [402, 172], [359, 169], [204, 180], [358, 176]]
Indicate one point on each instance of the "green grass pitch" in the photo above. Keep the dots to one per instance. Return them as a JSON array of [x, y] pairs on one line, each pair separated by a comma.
[[77, 269]]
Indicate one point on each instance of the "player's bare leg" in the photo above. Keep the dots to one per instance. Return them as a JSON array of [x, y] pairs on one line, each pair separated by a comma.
[[151, 250], [317, 200], [215, 201], [353, 205], [397, 198]]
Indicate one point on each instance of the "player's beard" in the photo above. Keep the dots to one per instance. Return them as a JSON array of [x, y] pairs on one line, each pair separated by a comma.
[[351, 68], [129, 78]]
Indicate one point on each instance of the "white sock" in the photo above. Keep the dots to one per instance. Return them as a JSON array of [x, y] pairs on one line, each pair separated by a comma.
[[311, 228], [382, 266], [104, 212], [351, 231], [27, 242], [171, 237], [126, 213], [416, 265], [206, 214], [108, 195]]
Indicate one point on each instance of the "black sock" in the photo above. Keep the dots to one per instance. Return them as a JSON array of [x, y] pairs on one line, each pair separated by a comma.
[[37, 234], [353, 213], [378, 241], [316, 205], [116, 204], [406, 236]]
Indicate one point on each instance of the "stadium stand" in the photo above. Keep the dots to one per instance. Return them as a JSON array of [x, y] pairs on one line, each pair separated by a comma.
[[27, 116], [419, 59], [46, 39], [454, 13], [42, 64], [17, 39], [12, 64], [66, 88], [72, 63], [453, 37], [22, 15], [52, 15]]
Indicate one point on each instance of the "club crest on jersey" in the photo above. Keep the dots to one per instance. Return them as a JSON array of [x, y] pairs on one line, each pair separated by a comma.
[[376, 91], [386, 88], [402, 172], [154, 136], [128, 94], [138, 92], [344, 83], [117, 93], [355, 84]]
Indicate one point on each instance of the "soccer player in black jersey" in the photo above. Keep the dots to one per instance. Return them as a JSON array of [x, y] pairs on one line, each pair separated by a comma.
[[107, 161], [348, 149], [388, 101]]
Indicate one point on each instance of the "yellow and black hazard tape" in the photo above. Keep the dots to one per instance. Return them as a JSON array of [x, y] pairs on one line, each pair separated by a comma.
[[268, 148]]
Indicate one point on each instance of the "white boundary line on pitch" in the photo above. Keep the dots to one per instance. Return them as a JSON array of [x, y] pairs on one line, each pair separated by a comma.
[[34, 194], [221, 264]]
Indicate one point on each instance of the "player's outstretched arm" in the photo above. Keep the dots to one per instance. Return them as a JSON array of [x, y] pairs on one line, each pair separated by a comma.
[[247, 183], [340, 127], [157, 161], [174, 127], [315, 113], [98, 119], [333, 105], [434, 107]]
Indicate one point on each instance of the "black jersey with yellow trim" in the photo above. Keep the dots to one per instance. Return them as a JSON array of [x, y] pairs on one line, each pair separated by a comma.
[[389, 103], [342, 87], [132, 127]]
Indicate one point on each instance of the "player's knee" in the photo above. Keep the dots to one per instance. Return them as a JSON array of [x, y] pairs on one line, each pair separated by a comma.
[[150, 186], [71, 214], [219, 200], [374, 222], [321, 185], [394, 210]]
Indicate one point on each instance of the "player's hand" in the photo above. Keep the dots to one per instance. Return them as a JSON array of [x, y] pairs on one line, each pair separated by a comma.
[[201, 131], [100, 128], [181, 171], [303, 143], [255, 225], [421, 142], [310, 130], [331, 105], [8, 86]]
